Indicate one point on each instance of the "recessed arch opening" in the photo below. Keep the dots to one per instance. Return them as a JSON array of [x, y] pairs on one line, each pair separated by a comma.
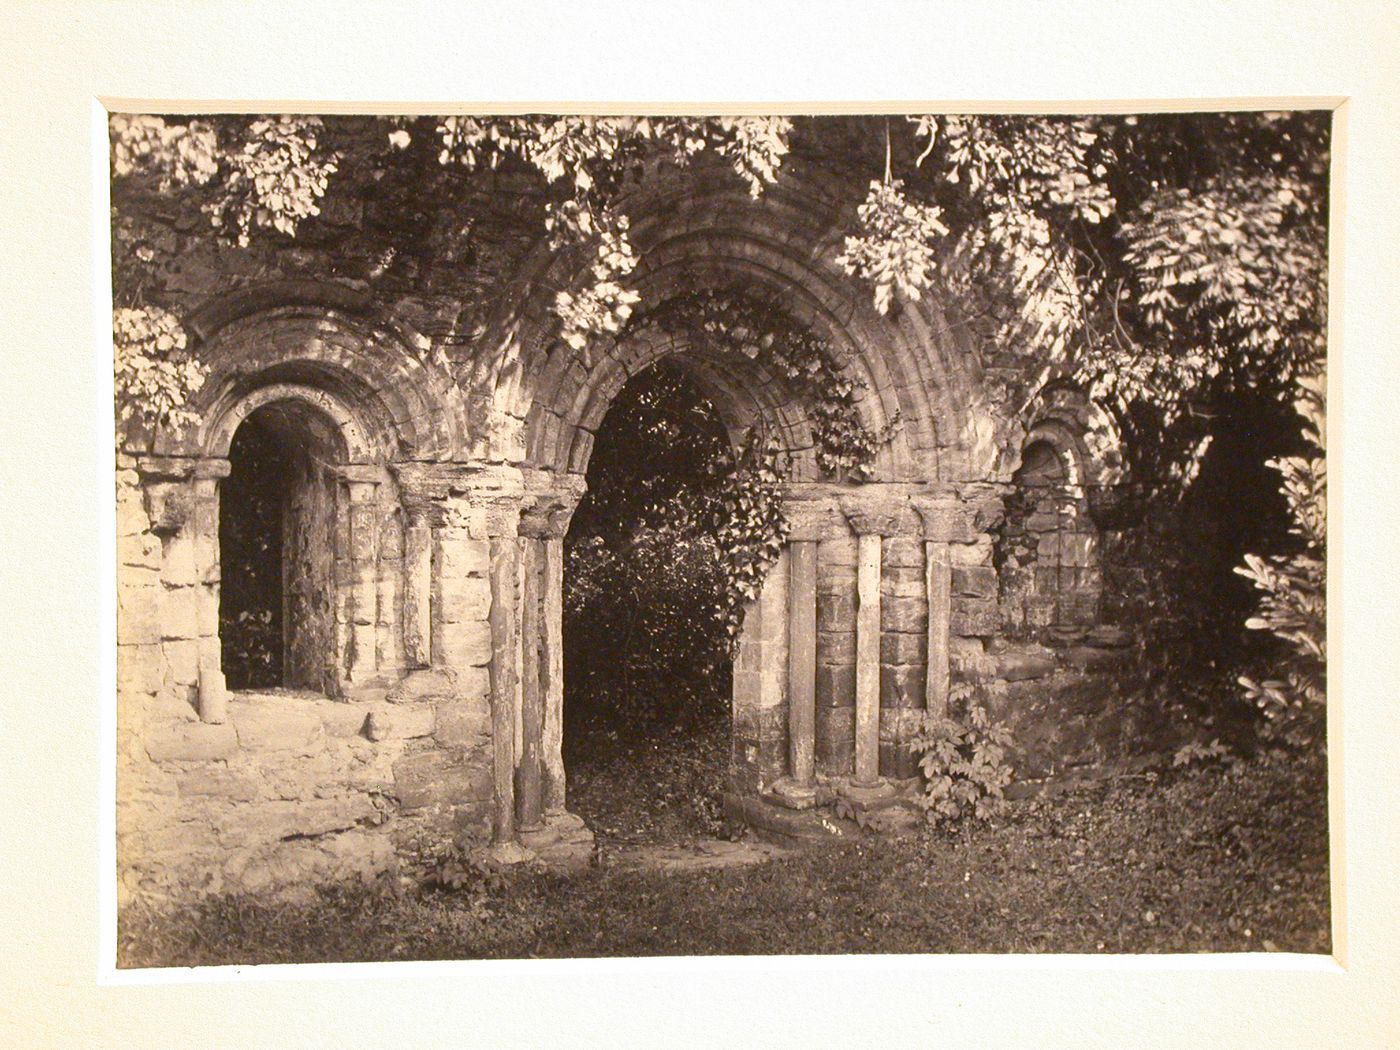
[[278, 512], [650, 712], [1047, 552]]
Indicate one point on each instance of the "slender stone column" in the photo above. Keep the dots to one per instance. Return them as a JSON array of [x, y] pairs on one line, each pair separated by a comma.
[[946, 520], [213, 689], [552, 677], [502, 674], [417, 587], [871, 524], [938, 583], [868, 659], [798, 788], [543, 527], [364, 565], [528, 774], [802, 662]]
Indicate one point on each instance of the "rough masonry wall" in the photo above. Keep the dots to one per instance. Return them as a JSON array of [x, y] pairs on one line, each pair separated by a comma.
[[285, 789], [293, 790]]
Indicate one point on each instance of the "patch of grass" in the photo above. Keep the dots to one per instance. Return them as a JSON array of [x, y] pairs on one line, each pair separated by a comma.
[[661, 788], [1222, 859]]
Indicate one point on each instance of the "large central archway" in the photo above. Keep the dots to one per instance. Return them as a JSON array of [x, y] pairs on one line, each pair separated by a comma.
[[648, 663], [751, 402]]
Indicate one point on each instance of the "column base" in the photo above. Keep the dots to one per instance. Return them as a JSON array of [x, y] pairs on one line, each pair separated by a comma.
[[562, 841], [876, 791], [509, 853], [793, 795]]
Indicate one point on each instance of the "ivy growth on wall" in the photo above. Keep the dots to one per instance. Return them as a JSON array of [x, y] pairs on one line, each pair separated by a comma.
[[732, 322]]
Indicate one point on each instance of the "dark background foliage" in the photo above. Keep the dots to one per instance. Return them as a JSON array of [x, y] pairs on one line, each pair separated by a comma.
[[645, 641], [250, 544]]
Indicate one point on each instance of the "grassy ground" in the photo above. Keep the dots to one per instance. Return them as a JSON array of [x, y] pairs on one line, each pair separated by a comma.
[[652, 789], [1216, 860]]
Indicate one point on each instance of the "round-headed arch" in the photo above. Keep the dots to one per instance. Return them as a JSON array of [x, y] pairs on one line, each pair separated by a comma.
[[372, 384], [913, 365]]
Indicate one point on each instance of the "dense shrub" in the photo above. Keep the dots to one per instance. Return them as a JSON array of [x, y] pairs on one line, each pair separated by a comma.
[[646, 640]]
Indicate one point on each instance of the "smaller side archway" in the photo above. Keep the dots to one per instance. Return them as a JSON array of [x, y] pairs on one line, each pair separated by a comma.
[[309, 544], [1047, 552]]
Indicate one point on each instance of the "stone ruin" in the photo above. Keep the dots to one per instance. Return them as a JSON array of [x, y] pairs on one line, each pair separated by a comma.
[[436, 472]]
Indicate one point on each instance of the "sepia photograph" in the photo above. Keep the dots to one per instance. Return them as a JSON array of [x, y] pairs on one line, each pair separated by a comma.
[[549, 534]]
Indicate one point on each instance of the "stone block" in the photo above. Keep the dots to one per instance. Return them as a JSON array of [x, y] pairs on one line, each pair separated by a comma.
[[175, 702], [979, 553], [836, 612], [132, 519], [139, 551], [278, 724], [836, 685], [219, 782], [967, 659], [1018, 665], [459, 556], [902, 687], [462, 723], [903, 551], [399, 722], [182, 661], [138, 614], [907, 615], [276, 820], [1043, 519], [836, 739], [463, 599], [179, 615], [897, 761], [440, 683], [190, 742], [898, 648], [836, 647], [442, 777], [974, 618], [178, 569], [837, 551], [341, 720], [746, 686], [904, 580], [974, 581], [460, 645], [139, 668]]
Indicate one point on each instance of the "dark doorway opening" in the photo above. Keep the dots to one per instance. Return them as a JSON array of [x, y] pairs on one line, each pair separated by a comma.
[[277, 512], [647, 669]]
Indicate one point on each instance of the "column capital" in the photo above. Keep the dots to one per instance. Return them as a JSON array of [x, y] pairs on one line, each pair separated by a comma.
[[946, 518], [813, 519], [485, 500], [441, 480], [547, 511], [545, 522], [873, 517], [181, 468]]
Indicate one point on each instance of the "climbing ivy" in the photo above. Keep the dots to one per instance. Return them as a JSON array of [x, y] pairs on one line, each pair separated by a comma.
[[747, 522], [732, 322]]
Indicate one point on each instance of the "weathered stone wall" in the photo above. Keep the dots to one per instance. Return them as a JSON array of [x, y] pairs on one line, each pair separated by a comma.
[[457, 431], [294, 789]]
